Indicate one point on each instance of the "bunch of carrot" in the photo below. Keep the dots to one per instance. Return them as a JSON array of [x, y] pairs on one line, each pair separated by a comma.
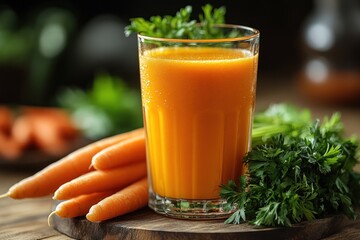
[[102, 180], [43, 128]]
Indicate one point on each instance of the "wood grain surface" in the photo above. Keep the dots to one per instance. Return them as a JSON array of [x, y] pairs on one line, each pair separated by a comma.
[[145, 224], [24, 219]]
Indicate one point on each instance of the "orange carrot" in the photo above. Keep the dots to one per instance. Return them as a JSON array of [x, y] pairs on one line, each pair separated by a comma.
[[80, 205], [50, 111], [73, 165], [51, 128], [21, 131], [59, 118], [99, 181], [125, 152], [9, 149], [125, 201], [47, 135], [6, 119]]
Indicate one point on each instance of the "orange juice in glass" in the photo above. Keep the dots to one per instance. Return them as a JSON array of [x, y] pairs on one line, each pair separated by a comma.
[[198, 101]]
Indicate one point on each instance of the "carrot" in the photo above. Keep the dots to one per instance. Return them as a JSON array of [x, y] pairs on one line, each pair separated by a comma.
[[47, 135], [9, 149], [127, 200], [99, 181], [6, 118], [71, 166], [79, 206], [21, 131], [125, 152], [59, 118], [51, 128]]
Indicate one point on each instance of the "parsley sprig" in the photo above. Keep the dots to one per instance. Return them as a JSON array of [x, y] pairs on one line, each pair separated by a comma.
[[181, 25], [297, 177]]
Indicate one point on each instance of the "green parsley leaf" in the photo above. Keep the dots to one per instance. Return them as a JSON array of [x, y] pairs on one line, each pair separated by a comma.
[[181, 25], [302, 170]]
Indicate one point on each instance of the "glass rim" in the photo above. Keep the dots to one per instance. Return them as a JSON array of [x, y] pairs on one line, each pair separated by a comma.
[[255, 34]]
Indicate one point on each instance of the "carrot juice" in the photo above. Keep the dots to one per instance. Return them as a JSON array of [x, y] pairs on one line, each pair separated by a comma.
[[198, 103]]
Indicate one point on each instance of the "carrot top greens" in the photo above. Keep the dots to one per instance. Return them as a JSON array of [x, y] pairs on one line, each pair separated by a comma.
[[299, 170]]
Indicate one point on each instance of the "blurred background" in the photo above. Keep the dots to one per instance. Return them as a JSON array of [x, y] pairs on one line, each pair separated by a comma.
[[45, 45], [74, 55]]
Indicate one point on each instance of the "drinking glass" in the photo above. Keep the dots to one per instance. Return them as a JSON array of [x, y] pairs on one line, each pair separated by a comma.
[[198, 98]]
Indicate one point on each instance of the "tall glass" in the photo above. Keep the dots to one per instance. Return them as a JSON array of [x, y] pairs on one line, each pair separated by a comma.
[[198, 101]]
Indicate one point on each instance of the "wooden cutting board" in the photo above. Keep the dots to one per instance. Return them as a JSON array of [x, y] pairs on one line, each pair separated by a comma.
[[145, 224]]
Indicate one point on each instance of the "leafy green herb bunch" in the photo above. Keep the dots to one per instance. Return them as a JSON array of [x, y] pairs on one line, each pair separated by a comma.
[[298, 175]]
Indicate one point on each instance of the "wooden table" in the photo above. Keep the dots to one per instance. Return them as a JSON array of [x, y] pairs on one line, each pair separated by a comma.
[[24, 219], [27, 219]]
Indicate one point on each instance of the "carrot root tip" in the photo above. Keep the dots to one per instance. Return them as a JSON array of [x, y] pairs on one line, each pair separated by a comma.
[[49, 218], [5, 195], [91, 167], [90, 214], [56, 196]]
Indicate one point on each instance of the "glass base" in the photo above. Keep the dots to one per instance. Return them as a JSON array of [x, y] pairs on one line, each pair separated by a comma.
[[191, 209]]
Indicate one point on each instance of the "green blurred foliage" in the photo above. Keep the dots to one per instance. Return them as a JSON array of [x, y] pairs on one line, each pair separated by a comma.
[[16, 43], [109, 107]]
